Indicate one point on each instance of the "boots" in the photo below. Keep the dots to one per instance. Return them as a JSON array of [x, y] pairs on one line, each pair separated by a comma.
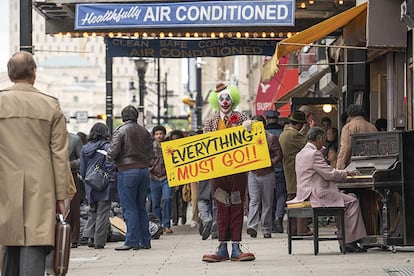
[[238, 255], [221, 254], [278, 225]]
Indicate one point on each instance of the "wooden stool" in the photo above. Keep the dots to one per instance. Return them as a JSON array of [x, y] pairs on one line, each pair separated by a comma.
[[304, 210]]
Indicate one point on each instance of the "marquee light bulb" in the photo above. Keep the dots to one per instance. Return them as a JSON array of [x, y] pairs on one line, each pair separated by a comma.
[[327, 108]]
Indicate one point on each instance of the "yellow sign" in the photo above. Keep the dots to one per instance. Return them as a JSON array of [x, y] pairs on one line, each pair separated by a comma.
[[214, 154]]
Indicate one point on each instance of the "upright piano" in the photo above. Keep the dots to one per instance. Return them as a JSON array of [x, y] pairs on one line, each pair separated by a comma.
[[385, 186]]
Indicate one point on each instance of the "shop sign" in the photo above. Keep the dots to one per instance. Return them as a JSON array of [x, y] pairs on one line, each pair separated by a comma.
[[185, 14], [189, 48], [81, 116]]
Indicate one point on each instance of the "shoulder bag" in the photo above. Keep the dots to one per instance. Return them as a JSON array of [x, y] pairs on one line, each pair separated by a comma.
[[96, 177]]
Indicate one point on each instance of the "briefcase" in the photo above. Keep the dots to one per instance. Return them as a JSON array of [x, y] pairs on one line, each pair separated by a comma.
[[57, 262]]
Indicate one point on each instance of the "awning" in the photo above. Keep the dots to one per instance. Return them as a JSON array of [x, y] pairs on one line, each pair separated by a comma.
[[301, 89], [307, 36], [288, 82], [266, 92]]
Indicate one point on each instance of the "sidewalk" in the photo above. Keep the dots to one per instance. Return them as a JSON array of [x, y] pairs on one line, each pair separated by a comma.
[[180, 254]]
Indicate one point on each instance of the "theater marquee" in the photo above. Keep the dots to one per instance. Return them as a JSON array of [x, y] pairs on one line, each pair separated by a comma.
[[189, 48], [185, 14]]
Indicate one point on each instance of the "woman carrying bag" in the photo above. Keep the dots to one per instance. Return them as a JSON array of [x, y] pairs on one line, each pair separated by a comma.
[[93, 155]]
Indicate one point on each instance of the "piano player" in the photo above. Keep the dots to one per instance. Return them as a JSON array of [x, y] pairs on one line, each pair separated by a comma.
[[316, 182]]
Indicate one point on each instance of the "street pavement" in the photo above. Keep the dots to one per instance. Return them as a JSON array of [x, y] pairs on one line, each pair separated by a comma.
[[180, 253]]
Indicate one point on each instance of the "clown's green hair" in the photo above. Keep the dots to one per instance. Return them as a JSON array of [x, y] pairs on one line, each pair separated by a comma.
[[234, 94]]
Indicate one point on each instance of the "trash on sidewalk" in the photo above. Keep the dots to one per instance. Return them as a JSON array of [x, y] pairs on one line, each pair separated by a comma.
[[119, 224]]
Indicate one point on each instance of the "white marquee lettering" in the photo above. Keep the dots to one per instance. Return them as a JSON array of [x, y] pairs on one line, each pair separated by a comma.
[[219, 13], [282, 12]]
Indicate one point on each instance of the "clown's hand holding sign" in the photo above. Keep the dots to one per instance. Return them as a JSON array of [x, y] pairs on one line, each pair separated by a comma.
[[228, 191]]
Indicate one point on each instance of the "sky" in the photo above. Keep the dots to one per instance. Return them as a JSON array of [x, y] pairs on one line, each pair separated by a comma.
[[4, 34]]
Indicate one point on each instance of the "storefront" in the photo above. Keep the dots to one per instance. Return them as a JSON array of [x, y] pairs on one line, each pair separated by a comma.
[[371, 58]]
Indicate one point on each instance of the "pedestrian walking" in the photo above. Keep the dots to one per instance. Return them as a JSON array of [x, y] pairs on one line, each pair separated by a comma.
[[160, 191], [75, 146], [261, 185], [208, 222], [280, 195], [178, 204], [34, 169], [93, 154]]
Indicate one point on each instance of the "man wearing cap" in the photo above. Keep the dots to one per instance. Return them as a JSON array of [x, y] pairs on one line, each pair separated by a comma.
[[228, 191], [309, 115], [292, 141], [279, 199]]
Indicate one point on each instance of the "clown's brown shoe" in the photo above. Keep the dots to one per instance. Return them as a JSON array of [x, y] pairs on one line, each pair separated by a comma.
[[239, 256], [221, 255]]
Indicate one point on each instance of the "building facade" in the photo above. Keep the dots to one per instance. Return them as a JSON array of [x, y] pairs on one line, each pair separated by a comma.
[[78, 65]]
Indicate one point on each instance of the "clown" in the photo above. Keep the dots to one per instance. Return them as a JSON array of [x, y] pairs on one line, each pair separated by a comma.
[[228, 191]]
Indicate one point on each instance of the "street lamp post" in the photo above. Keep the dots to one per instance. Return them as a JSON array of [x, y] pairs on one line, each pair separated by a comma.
[[132, 89], [158, 92], [26, 26], [165, 98], [141, 66], [199, 97]]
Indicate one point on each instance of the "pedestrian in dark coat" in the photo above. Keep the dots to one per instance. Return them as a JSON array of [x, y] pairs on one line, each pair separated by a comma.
[[132, 150], [75, 146], [97, 225], [280, 195]]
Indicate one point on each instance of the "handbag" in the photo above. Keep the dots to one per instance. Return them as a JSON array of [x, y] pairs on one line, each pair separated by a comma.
[[186, 192], [97, 178]]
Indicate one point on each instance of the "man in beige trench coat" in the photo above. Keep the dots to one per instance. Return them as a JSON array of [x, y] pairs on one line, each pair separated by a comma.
[[33, 169]]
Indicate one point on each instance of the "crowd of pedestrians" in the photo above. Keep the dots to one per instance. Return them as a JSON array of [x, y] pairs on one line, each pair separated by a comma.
[[133, 167]]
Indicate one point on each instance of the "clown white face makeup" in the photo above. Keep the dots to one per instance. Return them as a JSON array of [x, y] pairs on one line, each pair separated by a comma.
[[225, 102]]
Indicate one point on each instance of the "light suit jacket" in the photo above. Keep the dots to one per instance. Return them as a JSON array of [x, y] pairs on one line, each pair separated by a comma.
[[316, 179]]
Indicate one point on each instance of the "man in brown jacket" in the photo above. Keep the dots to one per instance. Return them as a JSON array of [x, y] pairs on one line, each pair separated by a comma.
[[34, 169], [132, 151], [357, 124], [292, 141]]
